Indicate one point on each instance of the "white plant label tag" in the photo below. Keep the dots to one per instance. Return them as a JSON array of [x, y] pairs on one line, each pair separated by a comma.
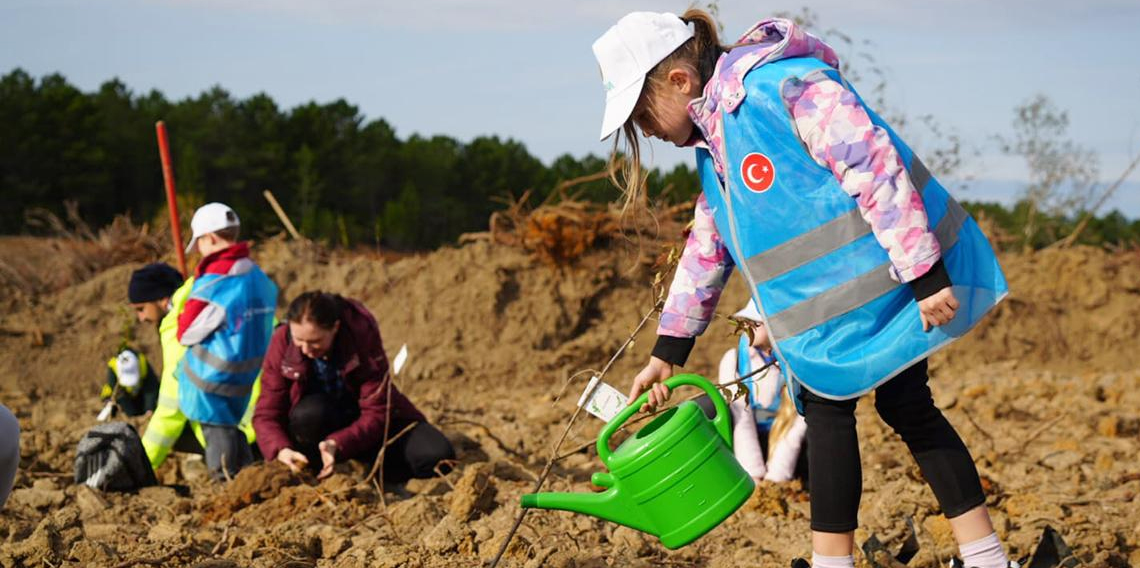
[[605, 403], [105, 414], [401, 358]]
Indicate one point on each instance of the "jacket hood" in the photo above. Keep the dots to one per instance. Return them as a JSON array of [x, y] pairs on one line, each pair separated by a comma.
[[767, 41]]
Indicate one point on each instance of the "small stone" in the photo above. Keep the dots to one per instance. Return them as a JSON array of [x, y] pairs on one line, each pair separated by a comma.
[[100, 531], [91, 553], [90, 502], [939, 530], [1062, 460], [331, 547], [975, 391], [159, 495], [164, 531], [630, 541], [1108, 426], [1104, 462], [445, 536]]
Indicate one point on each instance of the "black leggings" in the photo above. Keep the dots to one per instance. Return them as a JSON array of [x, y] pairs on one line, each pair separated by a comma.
[[905, 404], [415, 454]]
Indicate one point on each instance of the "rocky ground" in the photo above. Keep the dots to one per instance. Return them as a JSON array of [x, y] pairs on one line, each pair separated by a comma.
[[1046, 394]]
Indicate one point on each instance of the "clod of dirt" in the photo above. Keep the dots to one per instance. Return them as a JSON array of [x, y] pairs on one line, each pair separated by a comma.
[[253, 484], [91, 553], [40, 496], [450, 535], [768, 499], [90, 502], [49, 543], [416, 515], [474, 494]]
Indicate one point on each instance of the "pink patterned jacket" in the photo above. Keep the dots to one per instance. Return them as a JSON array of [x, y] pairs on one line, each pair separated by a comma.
[[838, 133]]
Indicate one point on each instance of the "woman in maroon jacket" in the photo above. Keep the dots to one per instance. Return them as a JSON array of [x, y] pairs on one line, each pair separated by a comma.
[[324, 395]]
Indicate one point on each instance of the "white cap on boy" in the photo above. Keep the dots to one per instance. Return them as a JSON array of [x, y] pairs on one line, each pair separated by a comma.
[[626, 53], [211, 218], [749, 312]]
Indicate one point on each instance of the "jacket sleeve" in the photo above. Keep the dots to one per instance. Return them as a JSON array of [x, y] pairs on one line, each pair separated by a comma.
[[198, 320], [271, 414], [838, 133], [367, 432], [701, 274], [699, 280]]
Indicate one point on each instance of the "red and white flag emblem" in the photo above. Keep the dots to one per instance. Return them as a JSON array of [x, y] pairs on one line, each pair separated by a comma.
[[757, 172]]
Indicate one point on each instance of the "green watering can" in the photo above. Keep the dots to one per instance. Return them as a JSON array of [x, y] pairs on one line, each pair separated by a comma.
[[676, 478]]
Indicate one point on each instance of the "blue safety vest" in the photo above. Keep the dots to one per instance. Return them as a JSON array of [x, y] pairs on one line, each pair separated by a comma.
[[840, 325], [216, 376], [765, 414]]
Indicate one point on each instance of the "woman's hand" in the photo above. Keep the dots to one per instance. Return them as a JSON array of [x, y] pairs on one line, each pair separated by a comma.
[[650, 378], [938, 309], [292, 458], [328, 458]]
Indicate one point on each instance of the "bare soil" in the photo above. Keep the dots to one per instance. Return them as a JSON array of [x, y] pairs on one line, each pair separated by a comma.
[[1046, 394]]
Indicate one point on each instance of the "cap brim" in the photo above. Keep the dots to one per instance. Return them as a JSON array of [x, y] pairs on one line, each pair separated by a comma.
[[619, 106], [190, 247]]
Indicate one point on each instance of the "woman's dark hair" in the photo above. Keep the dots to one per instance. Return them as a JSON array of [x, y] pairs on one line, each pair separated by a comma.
[[321, 308]]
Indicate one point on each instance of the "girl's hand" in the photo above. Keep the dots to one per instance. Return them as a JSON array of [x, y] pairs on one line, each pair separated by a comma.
[[294, 459], [328, 458], [650, 378], [938, 309]]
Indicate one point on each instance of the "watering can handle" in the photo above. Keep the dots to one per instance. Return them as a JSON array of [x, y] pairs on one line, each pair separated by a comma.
[[722, 421]]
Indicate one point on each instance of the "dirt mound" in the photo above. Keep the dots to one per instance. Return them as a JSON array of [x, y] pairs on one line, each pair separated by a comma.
[[1045, 393], [1072, 309]]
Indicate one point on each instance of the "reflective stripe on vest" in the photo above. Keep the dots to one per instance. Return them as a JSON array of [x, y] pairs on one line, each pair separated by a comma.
[[220, 389], [856, 292], [825, 239], [224, 366]]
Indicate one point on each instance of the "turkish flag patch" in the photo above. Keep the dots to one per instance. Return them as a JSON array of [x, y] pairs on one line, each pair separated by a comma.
[[757, 172]]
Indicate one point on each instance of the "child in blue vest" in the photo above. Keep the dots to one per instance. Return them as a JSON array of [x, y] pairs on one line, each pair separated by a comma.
[[225, 325], [860, 263], [759, 420]]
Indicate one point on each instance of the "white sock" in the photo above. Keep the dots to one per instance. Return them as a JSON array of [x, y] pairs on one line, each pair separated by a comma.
[[986, 552], [820, 561]]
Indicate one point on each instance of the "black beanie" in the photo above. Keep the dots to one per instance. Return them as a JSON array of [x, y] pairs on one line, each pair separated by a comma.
[[153, 282]]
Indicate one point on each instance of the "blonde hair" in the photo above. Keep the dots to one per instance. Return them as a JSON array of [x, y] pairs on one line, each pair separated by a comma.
[[699, 56], [785, 418]]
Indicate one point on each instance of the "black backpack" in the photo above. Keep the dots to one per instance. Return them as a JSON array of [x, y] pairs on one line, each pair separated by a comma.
[[110, 457]]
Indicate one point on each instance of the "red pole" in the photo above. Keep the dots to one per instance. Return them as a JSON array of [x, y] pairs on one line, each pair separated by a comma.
[[171, 200]]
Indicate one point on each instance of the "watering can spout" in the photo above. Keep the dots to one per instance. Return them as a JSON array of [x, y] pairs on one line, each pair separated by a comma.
[[610, 505]]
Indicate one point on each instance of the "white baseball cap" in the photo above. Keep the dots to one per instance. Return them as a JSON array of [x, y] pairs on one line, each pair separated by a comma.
[[749, 312], [627, 52], [211, 218]]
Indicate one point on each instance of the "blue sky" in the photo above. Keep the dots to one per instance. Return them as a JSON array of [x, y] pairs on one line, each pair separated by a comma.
[[523, 69]]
